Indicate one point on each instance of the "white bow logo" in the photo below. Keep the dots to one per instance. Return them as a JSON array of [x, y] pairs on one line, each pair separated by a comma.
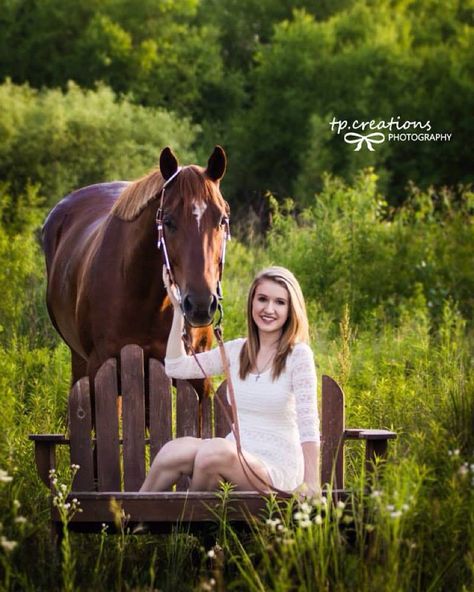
[[359, 139]]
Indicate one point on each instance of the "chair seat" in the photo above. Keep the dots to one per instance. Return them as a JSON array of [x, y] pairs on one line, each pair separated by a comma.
[[164, 510]]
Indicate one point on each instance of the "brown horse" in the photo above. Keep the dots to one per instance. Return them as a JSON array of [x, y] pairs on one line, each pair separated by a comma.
[[105, 286]]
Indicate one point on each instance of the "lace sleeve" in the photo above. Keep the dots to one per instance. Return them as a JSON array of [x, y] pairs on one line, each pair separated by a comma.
[[303, 382], [187, 367]]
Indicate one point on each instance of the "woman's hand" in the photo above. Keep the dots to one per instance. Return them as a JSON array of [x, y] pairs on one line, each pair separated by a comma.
[[171, 290], [308, 490]]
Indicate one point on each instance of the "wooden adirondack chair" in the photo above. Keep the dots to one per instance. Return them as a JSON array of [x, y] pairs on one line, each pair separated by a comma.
[[112, 458]]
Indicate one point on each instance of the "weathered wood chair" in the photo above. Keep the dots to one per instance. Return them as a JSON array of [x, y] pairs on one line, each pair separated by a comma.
[[113, 456]]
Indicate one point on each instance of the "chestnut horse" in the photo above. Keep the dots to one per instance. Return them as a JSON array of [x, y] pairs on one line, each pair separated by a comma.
[[105, 286]]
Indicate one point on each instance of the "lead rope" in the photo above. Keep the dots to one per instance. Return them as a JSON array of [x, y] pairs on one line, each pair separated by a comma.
[[234, 419]]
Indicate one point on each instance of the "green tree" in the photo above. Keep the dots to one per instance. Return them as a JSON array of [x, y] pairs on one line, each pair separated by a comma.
[[374, 60]]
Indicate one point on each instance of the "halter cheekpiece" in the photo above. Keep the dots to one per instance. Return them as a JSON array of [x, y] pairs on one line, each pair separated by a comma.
[[161, 244]]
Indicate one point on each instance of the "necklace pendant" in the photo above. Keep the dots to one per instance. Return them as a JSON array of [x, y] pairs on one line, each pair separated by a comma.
[[257, 377]]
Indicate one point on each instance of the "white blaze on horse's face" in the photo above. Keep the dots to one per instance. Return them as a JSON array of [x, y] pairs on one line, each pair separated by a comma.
[[198, 211]]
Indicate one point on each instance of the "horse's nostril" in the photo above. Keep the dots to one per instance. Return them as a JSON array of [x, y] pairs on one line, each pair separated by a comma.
[[213, 305], [187, 304]]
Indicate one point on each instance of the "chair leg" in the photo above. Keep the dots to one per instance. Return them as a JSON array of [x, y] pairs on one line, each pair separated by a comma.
[[374, 448]]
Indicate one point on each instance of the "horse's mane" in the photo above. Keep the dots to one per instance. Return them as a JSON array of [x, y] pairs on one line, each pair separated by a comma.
[[190, 181]]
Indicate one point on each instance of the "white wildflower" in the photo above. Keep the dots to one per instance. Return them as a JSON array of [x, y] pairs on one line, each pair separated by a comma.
[[16, 504], [395, 514], [318, 519], [390, 507], [273, 523], [20, 520], [405, 507], [305, 523], [7, 545], [376, 493], [341, 505], [5, 477], [211, 553], [305, 507]]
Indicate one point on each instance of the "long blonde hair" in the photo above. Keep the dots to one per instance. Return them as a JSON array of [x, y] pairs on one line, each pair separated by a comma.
[[295, 330]]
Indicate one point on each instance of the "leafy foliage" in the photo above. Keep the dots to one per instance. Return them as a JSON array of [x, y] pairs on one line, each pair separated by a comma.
[[63, 141], [349, 247]]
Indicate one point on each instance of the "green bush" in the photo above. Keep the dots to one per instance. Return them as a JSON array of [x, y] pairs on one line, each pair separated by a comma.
[[63, 141], [349, 248]]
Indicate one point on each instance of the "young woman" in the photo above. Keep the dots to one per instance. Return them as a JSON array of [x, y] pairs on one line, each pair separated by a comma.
[[274, 381]]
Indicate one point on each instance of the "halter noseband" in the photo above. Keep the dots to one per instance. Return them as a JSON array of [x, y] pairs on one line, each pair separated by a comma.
[[161, 244]]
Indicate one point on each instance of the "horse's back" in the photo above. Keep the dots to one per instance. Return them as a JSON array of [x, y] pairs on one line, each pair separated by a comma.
[[80, 210]]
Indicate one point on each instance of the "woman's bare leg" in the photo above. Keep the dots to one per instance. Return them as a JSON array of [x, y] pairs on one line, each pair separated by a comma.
[[176, 458], [217, 460]]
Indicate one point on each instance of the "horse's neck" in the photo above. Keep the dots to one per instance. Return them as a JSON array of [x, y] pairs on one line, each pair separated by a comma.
[[139, 242]]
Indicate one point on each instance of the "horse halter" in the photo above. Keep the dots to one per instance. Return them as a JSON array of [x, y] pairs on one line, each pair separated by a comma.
[[161, 244]]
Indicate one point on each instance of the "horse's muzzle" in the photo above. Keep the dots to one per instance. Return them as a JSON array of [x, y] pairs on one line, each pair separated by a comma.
[[199, 311]]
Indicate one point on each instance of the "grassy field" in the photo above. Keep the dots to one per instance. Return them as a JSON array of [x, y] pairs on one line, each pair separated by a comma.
[[390, 305]]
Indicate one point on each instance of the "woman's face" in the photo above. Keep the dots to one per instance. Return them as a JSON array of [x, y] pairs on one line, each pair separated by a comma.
[[270, 306]]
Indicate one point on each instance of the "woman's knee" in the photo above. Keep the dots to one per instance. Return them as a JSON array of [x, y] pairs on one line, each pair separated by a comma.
[[178, 451], [213, 456]]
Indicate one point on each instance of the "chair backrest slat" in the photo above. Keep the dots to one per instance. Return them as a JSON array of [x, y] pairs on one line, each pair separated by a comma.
[[187, 417], [206, 417], [221, 424], [133, 422], [80, 426], [107, 427], [187, 410], [332, 432], [160, 407]]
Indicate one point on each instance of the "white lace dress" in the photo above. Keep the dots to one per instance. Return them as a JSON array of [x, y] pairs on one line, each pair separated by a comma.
[[275, 417]]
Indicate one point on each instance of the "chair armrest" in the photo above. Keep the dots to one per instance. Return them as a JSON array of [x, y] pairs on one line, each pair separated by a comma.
[[363, 434], [376, 443], [45, 453]]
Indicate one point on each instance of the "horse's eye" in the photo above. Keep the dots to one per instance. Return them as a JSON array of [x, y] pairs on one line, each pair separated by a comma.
[[169, 223]]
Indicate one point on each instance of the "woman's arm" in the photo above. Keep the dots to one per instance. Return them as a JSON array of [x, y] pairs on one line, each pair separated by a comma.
[[312, 475], [175, 346], [303, 381]]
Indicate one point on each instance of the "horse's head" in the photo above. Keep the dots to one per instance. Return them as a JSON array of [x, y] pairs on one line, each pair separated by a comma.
[[195, 224]]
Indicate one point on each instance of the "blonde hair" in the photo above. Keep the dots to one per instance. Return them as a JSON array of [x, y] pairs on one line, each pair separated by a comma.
[[295, 330]]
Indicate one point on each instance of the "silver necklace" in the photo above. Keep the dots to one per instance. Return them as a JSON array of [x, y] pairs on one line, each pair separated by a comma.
[[265, 366]]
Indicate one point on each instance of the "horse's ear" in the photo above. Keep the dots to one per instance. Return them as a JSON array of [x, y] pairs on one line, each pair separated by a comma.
[[168, 163], [216, 164]]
